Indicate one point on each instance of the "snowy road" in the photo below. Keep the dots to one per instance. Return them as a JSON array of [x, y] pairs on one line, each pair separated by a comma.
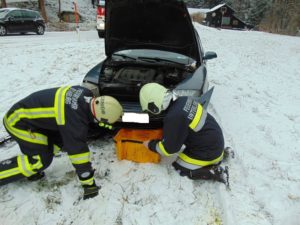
[[256, 100]]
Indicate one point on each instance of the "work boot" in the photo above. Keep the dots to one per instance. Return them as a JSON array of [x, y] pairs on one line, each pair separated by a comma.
[[37, 176]]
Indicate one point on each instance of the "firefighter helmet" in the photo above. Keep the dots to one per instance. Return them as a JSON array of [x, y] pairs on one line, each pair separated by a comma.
[[106, 109], [152, 97]]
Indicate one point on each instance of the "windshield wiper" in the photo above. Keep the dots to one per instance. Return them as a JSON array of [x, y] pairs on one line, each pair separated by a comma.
[[124, 56], [187, 67], [157, 59]]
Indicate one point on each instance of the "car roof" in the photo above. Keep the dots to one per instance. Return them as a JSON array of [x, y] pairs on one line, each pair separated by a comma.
[[11, 9], [4, 9]]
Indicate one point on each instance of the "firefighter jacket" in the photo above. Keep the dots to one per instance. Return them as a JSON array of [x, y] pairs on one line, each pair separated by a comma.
[[191, 132], [62, 110]]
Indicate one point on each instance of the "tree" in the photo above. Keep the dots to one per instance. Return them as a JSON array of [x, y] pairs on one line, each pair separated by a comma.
[[43, 10], [257, 11], [283, 17], [59, 10], [3, 4]]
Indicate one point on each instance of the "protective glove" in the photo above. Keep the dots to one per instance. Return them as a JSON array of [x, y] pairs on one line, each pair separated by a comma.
[[90, 191]]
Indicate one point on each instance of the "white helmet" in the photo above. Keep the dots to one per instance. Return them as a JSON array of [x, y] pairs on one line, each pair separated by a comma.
[[106, 109], [152, 98]]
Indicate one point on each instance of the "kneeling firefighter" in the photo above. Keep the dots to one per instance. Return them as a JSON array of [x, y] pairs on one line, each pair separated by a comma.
[[188, 130], [49, 119]]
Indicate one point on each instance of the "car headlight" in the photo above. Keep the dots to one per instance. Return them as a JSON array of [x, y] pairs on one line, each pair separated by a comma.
[[194, 93]]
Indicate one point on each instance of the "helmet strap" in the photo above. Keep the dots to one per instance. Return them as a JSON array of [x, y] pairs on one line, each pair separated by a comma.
[[153, 108]]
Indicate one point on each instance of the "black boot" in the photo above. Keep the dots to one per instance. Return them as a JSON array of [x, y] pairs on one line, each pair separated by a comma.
[[9, 171], [213, 172], [37, 176]]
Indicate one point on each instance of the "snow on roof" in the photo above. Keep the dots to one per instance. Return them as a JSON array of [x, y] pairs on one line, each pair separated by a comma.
[[217, 7], [197, 10]]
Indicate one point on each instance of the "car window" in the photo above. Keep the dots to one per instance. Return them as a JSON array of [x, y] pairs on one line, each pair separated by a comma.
[[29, 14], [3, 13], [17, 14], [176, 57]]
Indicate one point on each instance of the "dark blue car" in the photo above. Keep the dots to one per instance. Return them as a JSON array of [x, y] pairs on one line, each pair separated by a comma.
[[14, 20], [148, 41]]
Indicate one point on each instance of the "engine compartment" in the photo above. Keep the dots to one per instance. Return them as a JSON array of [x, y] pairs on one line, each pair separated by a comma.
[[124, 82]]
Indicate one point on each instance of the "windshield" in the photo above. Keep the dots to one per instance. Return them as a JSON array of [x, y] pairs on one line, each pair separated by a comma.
[[156, 54], [3, 13]]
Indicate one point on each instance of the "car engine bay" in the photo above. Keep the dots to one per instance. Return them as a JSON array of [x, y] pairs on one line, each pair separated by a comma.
[[125, 82]]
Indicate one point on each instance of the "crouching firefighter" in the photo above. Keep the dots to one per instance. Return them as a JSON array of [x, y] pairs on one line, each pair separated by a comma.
[[51, 119], [189, 131]]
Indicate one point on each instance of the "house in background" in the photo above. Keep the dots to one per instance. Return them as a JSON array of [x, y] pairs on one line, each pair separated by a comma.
[[222, 16]]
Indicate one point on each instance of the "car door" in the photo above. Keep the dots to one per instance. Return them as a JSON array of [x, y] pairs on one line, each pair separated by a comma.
[[16, 21], [28, 18]]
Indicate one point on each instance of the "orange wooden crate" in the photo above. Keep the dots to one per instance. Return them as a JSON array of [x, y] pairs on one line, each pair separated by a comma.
[[129, 145]]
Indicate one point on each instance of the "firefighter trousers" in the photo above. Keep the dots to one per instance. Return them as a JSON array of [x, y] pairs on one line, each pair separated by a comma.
[[35, 158]]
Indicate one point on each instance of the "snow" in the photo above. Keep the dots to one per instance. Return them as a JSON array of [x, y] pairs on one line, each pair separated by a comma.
[[198, 10], [256, 101]]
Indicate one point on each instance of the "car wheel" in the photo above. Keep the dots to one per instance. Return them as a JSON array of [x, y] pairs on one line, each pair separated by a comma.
[[40, 30], [101, 34], [2, 30]]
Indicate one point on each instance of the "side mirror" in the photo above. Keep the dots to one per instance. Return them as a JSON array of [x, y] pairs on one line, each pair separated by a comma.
[[210, 55]]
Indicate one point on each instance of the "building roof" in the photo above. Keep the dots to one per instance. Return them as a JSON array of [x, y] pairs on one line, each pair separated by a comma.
[[219, 6], [197, 10], [216, 7]]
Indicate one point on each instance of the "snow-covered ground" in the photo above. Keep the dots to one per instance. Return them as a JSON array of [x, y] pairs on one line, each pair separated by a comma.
[[256, 100]]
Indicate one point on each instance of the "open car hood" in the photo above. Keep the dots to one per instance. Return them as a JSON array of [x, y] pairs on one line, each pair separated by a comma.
[[149, 24]]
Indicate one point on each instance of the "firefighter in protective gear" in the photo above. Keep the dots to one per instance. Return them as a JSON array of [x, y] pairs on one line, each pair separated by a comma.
[[51, 119], [188, 130]]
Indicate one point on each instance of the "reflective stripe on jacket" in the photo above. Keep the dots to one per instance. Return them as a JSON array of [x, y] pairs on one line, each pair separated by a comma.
[[187, 124], [65, 110]]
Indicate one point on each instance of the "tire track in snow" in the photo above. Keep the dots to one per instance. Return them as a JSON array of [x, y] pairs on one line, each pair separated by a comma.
[[240, 186]]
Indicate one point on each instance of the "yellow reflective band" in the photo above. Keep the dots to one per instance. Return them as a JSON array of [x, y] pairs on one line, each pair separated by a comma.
[[8, 173], [162, 149], [31, 137], [197, 117], [59, 105], [80, 158], [25, 166], [32, 113], [56, 149], [38, 164], [87, 182], [198, 162], [108, 126]]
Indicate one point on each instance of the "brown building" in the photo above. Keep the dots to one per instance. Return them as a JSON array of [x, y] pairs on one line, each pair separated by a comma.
[[222, 16]]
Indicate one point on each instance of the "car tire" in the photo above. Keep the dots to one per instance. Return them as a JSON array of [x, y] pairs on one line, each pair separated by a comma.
[[40, 30], [101, 34], [3, 30]]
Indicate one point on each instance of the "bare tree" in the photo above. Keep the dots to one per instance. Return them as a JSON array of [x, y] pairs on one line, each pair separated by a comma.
[[43, 10], [3, 4], [59, 10]]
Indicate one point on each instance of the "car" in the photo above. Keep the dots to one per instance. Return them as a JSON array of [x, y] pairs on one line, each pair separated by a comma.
[[148, 41], [100, 19], [15, 20]]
